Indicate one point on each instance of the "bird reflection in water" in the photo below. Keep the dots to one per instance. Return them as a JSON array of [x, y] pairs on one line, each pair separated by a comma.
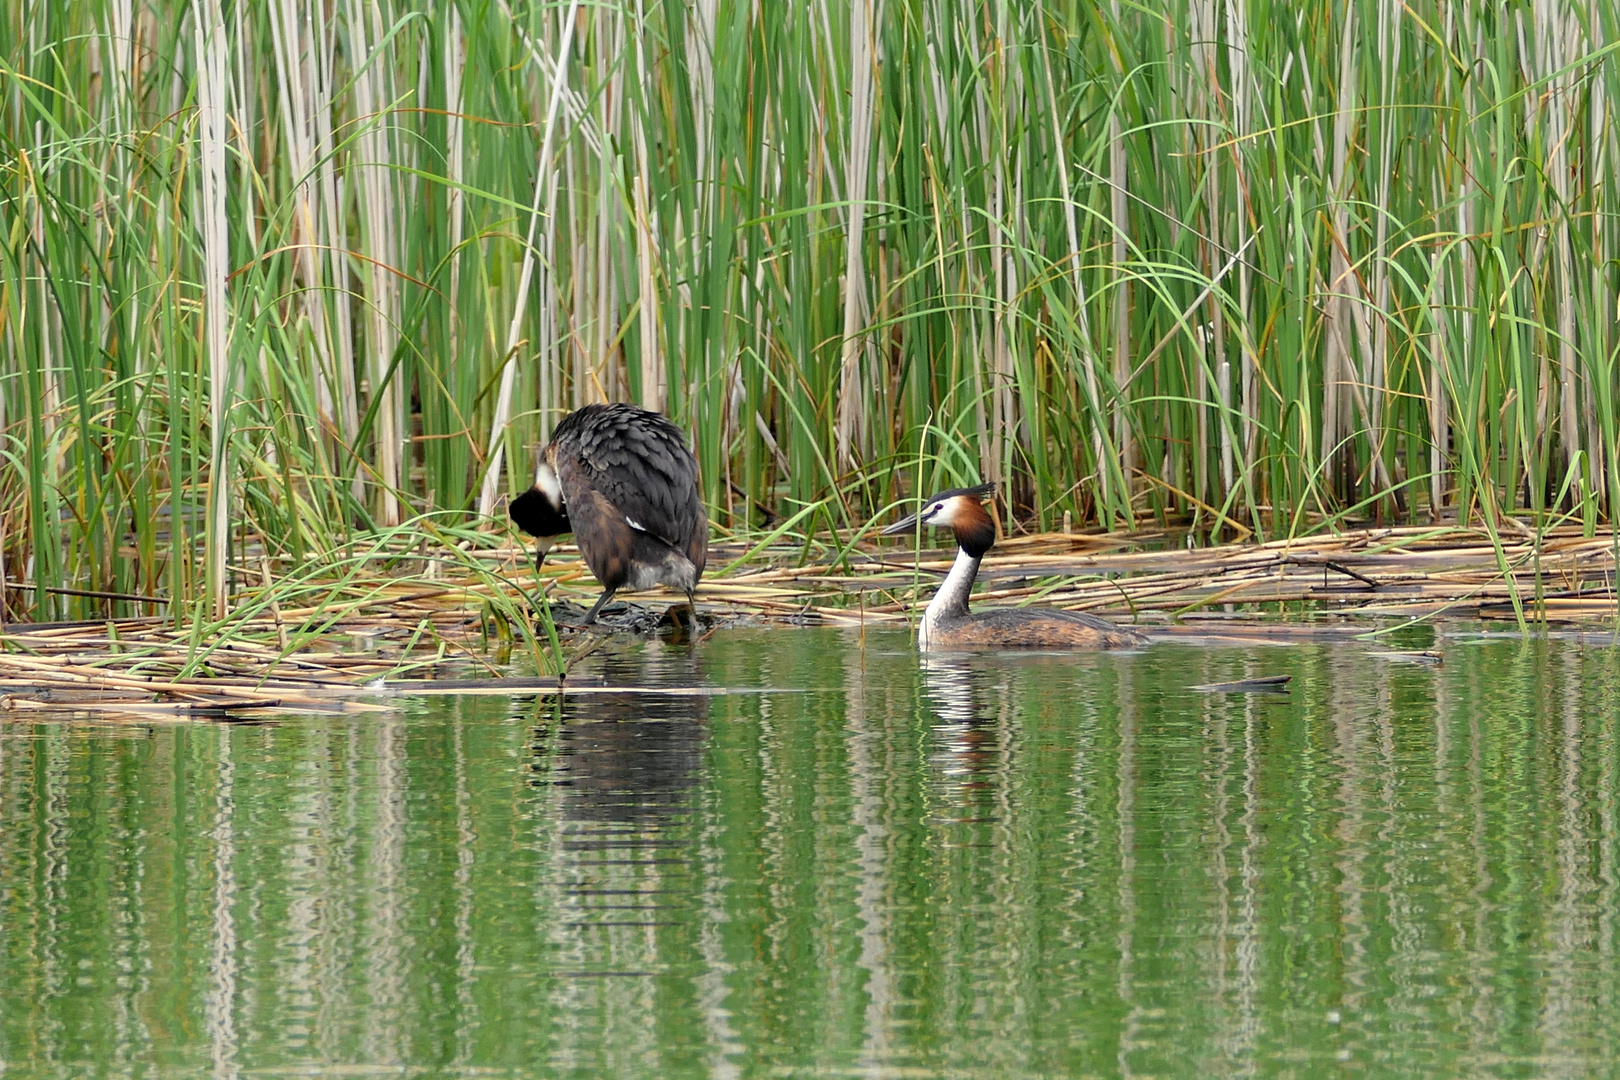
[[622, 768], [969, 700], [631, 758]]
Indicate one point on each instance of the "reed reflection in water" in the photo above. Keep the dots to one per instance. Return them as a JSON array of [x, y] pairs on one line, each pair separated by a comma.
[[864, 863]]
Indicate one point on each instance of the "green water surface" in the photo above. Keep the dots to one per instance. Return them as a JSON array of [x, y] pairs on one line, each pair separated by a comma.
[[853, 865]]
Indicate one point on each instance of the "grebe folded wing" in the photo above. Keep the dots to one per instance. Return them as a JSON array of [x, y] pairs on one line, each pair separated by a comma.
[[622, 480], [619, 458], [1030, 628]]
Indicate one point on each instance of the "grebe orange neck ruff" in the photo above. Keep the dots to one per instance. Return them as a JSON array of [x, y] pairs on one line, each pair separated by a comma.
[[946, 621]]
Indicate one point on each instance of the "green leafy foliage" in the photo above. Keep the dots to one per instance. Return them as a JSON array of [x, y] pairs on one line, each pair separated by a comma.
[[1260, 265]]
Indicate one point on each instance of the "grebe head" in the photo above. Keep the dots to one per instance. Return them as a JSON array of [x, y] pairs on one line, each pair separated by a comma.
[[540, 512], [960, 510]]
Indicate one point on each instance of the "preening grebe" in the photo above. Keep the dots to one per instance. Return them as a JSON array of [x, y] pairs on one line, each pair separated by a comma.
[[947, 623], [622, 481]]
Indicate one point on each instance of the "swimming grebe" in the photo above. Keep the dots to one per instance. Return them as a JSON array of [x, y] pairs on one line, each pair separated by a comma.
[[622, 480], [947, 623]]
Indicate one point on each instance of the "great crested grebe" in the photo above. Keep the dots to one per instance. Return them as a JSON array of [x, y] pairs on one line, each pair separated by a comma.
[[947, 623], [622, 480]]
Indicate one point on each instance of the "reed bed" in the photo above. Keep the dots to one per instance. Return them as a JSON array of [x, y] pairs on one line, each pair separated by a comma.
[[1386, 576], [326, 645], [280, 278], [301, 636]]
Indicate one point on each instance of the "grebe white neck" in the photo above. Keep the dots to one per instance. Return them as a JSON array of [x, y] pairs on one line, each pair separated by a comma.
[[952, 598], [545, 478]]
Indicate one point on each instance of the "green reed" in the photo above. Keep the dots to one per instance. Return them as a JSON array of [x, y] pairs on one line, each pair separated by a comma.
[[1258, 268]]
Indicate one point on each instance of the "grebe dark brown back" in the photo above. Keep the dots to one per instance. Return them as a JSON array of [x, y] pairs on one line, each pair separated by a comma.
[[948, 624], [622, 480]]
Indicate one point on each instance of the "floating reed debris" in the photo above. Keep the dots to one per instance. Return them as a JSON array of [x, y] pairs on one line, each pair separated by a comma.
[[1402, 572], [1424, 657], [145, 671], [270, 655], [1267, 684], [312, 641]]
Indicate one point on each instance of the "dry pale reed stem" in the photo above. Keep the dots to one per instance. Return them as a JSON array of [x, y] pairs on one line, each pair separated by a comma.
[[212, 54], [542, 186], [857, 157]]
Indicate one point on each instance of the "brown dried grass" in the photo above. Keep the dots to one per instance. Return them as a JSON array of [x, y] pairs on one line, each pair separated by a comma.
[[397, 635]]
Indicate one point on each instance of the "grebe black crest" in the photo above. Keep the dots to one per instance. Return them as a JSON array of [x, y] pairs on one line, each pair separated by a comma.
[[948, 624], [622, 480]]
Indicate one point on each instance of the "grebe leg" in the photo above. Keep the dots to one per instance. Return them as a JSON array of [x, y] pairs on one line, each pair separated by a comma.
[[601, 601]]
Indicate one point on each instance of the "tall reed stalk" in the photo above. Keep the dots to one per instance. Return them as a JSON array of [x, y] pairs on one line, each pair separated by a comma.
[[273, 275]]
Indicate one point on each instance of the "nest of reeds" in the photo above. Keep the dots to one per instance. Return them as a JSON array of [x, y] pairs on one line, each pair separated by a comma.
[[311, 642]]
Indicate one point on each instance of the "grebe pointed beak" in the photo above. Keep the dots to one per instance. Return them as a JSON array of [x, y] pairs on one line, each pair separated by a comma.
[[904, 525], [541, 546]]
